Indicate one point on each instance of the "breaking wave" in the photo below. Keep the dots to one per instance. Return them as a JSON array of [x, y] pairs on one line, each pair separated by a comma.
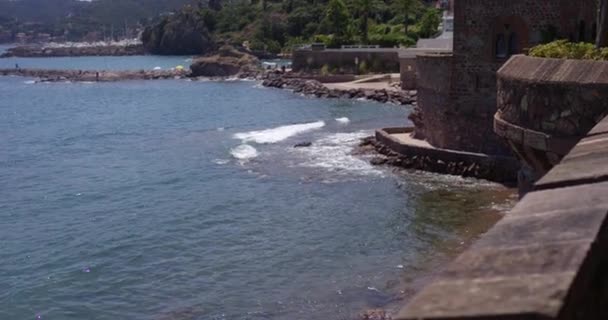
[[343, 120], [278, 134], [244, 152], [334, 153]]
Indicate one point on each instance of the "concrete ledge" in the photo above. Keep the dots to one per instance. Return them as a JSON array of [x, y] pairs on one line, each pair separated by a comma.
[[468, 164], [534, 264], [586, 163], [385, 136]]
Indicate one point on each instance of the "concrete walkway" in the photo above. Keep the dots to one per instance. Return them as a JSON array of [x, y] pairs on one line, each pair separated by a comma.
[[375, 82]]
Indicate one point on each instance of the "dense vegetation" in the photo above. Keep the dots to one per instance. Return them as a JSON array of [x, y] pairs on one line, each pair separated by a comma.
[[278, 25], [265, 25], [563, 49]]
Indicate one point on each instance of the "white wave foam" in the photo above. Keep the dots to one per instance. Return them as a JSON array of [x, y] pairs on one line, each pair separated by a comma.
[[30, 82], [157, 68], [244, 152], [334, 154], [281, 133], [343, 120], [221, 161]]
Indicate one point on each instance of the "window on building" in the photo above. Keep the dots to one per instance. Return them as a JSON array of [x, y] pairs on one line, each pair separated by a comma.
[[501, 46], [513, 43]]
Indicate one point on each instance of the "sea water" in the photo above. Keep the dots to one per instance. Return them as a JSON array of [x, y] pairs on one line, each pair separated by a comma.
[[182, 200]]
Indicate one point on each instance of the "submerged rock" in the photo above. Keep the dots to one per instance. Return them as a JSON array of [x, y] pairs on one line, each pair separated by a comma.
[[375, 314], [303, 144]]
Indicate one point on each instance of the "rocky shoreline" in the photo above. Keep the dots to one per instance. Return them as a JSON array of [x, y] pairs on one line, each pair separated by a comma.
[[488, 170], [315, 88], [73, 51]]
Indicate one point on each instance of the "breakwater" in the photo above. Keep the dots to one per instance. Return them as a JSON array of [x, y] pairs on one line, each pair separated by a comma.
[[74, 51], [54, 75], [315, 88]]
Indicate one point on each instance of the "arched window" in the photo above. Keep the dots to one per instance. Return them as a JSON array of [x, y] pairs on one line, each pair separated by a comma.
[[501, 46], [513, 44]]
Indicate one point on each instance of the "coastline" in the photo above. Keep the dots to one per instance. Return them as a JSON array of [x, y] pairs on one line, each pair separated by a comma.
[[56, 75], [427, 270], [297, 83], [304, 85]]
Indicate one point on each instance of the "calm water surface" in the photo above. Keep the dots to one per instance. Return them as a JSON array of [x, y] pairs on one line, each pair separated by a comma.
[[186, 200]]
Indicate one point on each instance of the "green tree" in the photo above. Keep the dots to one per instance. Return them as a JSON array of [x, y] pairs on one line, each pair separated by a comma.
[[407, 8], [364, 9], [337, 18], [429, 23]]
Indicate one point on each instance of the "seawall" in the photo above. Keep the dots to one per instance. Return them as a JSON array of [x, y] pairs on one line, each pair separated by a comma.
[[350, 61], [54, 75], [38, 51]]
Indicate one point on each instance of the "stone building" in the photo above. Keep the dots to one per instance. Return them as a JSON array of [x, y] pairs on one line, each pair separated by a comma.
[[457, 91]]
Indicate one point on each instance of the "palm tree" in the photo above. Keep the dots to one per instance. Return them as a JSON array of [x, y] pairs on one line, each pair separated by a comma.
[[364, 8], [407, 8], [602, 23]]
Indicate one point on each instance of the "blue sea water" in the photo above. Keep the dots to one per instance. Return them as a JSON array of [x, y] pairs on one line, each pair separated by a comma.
[[175, 200]]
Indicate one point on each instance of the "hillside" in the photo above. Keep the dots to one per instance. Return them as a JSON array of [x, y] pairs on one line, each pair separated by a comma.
[[75, 18], [275, 26]]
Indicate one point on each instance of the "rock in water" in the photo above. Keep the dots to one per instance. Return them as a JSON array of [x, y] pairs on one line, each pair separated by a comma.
[[303, 144], [227, 61], [180, 34]]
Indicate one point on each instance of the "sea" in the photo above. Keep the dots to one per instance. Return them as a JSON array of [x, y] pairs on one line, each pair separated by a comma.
[[183, 200]]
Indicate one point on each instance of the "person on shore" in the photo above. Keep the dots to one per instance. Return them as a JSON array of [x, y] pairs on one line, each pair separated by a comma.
[[16, 66], [97, 76]]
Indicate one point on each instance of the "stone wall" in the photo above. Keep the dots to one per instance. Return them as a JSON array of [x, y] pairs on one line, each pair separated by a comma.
[[344, 60], [433, 86], [546, 105], [423, 157], [558, 97], [407, 72], [478, 25]]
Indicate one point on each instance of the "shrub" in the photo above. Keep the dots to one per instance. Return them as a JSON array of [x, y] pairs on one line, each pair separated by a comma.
[[325, 70], [429, 23], [363, 69], [391, 40], [563, 49]]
